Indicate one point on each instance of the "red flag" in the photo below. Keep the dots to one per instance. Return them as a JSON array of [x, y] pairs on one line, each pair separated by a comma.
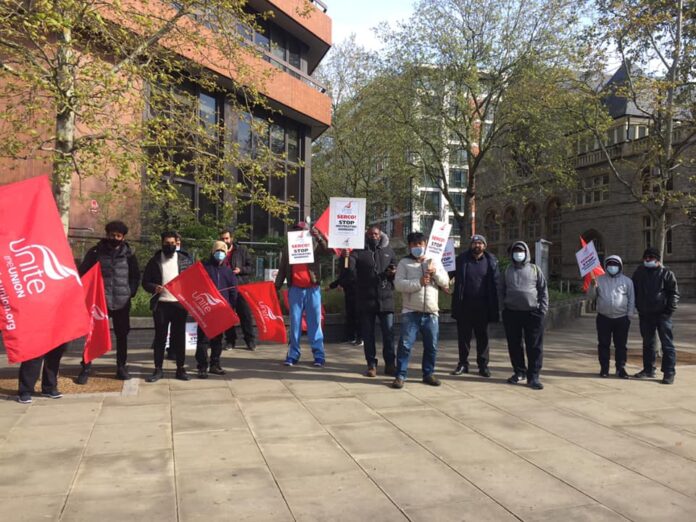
[[42, 303], [597, 271], [196, 292], [322, 225], [99, 337], [263, 301]]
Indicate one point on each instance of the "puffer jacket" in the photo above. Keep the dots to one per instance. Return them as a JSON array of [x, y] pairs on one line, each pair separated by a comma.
[[416, 297], [119, 268], [656, 290], [375, 288], [285, 268], [523, 285], [615, 295]]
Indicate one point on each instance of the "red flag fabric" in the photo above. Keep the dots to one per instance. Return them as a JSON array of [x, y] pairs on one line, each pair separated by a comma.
[[598, 271], [322, 225], [42, 303], [196, 292], [263, 301], [98, 340], [286, 303]]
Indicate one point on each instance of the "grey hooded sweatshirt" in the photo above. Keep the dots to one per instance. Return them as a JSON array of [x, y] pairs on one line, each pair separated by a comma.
[[523, 286], [615, 294]]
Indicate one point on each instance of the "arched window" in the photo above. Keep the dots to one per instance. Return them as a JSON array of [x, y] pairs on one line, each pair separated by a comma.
[[532, 223], [593, 235], [510, 225], [491, 227], [553, 219]]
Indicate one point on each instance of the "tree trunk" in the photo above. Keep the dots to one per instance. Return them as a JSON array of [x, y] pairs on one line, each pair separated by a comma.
[[65, 125], [661, 227]]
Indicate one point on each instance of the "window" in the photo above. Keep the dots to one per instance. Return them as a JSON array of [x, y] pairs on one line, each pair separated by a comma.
[[510, 225], [207, 108], [457, 177], [457, 156], [594, 190], [650, 236], [532, 223], [491, 227], [431, 201], [553, 219], [277, 139], [293, 145], [458, 200], [244, 133]]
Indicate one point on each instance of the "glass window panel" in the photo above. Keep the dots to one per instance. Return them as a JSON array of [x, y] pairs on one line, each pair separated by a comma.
[[261, 36], [260, 218], [293, 145], [207, 107], [278, 187], [293, 182], [294, 53], [278, 44], [277, 139], [244, 133]]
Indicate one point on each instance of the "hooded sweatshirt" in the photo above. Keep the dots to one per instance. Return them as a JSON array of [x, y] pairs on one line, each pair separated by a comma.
[[523, 286], [416, 297], [615, 295]]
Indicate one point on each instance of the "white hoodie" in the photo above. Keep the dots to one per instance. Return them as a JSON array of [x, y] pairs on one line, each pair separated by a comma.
[[615, 294], [416, 297]]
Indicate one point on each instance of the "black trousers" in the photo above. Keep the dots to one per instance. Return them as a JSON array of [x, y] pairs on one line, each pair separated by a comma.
[[473, 320], [662, 324], [246, 320], [121, 321], [352, 323], [164, 315], [607, 329], [530, 327], [367, 328], [202, 350], [29, 371]]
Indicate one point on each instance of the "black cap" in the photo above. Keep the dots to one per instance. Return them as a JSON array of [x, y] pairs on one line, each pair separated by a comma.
[[652, 252]]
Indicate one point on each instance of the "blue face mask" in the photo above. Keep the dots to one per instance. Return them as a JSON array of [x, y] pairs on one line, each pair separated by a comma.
[[417, 251], [518, 257], [650, 264], [219, 256], [612, 269]]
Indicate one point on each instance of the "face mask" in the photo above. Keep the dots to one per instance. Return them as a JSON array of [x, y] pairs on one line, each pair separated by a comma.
[[371, 242], [650, 264], [417, 251], [613, 269], [178, 248], [115, 243], [168, 250], [219, 256], [519, 257]]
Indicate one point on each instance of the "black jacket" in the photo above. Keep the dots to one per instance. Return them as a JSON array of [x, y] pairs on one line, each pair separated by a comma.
[[152, 276], [224, 279], [119, 268], [656, 290], [491, 284], [240, 258], [375, 289], [285, 268], [346, 279]]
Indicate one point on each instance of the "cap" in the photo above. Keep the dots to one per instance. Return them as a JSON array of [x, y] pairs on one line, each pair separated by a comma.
[[219, 245]]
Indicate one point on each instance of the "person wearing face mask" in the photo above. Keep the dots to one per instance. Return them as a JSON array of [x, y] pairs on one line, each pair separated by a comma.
[[418, 279], [657, 296], [615, 305], [164, 266], [475, 302], [374, 269], [524, 297], [119, 268], [226, 282]]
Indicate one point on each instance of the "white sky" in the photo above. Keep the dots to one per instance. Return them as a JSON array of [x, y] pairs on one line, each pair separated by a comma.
[[360, 16]]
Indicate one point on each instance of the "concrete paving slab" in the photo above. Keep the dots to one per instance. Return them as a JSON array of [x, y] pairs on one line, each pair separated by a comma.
[[671, 439], [665, 468], [69, 436], [270, 417], [385, 398], [590, 513], [59, 412], [197, 417], [257, 387], [483, 510], [140, 508], [339, 410], [32, 508], [48, 472], [371, 439], [115, 413], [126, 437]]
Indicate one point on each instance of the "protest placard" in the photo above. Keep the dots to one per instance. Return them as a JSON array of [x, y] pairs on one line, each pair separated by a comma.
[[587, 259], [438, 240], [448, 258], [300, 247], [347, 223]]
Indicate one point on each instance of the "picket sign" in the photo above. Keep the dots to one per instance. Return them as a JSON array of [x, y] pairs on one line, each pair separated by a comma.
[[437, 243], [448, 258], [300, 247], [587, 259], [347, 223]]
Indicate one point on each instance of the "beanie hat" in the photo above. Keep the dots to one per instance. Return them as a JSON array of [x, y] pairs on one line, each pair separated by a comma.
[[479, 237], [219, 245], [301, 225], [652, 252]]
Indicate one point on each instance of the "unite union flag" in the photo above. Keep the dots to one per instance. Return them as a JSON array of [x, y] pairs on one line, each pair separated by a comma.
[[98, 340], [263, 301]]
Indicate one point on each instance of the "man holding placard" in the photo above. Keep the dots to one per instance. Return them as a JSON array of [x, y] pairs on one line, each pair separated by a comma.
[[298, 267], [475, 302]]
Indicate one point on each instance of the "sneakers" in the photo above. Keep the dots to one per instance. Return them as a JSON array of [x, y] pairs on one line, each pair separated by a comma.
[[645, 374], [202, 373], [668, 378], [621, 373], [229, 345], [484, 372], [535, 384], [216, 369], [604, 374], [431, 381], [358, 343], [156, 375], [251, 346], [24, 398], [290, 362], [460, 369], [516, 378], [83, 376], [390, 370], [182, 375], [52, 394], [122, 374], [371, 372], [398, 383], [318, 363]]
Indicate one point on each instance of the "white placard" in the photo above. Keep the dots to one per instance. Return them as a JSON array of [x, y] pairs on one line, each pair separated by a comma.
[[438, 240], [270, 274], [448, 258], [587, 259], [191, 337], [300, 247], [347, 223]]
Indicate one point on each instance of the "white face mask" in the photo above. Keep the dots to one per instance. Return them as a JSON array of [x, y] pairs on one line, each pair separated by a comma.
[[519, 257], [613, 269], [650, 264]]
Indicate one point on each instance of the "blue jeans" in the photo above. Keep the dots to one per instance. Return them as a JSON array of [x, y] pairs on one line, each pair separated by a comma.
[[307, 300], [429, 326]]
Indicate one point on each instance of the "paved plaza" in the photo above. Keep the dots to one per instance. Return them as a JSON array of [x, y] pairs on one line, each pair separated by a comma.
[[271, 443]]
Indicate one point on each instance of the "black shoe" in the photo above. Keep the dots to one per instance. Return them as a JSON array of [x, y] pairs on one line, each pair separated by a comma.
[[535, 384], [156, 375], [358, 343], [390, 371], [215, 369], [398, 383], [53, 394], [122, 374], [516, 378], [431, 381], [182, 375], [24, 398], [668, 378], [229, 345], [251, 346], [604, 374], [621, 373], [645, 373], [484, 372], [202, 374], [171, 356], [83, 377], [461, 368]]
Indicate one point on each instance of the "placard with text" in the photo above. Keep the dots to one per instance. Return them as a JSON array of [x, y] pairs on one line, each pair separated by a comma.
[[300, 247], [347, 223], [437, 242]]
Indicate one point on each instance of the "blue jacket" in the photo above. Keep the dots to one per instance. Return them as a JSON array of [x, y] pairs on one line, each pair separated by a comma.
[[224, 279]]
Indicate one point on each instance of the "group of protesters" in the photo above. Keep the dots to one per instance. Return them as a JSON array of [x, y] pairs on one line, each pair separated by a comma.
[[482, 294]]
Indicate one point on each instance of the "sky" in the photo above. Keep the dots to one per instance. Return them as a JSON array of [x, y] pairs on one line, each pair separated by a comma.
[[360, 16]]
